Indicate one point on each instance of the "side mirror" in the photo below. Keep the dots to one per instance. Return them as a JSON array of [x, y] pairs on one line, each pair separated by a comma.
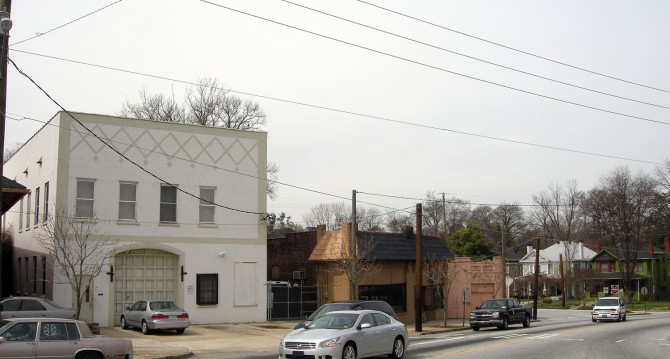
[[477, 308], [127, 308], [365, 325]]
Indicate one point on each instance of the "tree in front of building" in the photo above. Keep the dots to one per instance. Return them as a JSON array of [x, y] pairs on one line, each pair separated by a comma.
[[77, 249], [442, 272], [357, 265], [470, 241], [621, 209]]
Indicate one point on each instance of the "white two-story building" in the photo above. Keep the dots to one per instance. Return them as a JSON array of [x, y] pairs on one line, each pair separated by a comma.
[[183, 209]]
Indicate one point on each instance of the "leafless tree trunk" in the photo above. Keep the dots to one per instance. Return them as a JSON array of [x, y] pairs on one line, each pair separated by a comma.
[[559, 212], [77, 249], [442, 272], [357, 267]]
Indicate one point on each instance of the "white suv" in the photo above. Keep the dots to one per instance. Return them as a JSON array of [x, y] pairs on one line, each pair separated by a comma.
[[609, 308]]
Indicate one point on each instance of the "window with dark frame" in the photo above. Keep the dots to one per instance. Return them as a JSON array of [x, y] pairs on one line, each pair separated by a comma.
[[393, 294], [207, 289], [37, 206], [45, 210]]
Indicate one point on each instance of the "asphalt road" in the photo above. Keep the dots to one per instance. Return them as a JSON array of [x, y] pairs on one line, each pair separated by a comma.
[[557, 334]]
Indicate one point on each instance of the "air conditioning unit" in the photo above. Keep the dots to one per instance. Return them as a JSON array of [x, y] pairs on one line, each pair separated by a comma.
[[298, 274]]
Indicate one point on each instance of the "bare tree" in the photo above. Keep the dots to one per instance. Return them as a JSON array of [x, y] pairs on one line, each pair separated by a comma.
[[329, 214], [443, 273], [357, 266], [663, 175], [9, 152], [433, 214], [370, 219], [77, 249], [558, 211], [620, 208], [207, 103], [511, 220], [457, 213], [397, 221]]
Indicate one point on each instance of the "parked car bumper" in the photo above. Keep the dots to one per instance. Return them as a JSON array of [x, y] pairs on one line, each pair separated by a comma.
[[606, 316], [168, 324], [334, 352]]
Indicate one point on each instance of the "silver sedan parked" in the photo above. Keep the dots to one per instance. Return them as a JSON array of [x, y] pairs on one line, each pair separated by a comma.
[[58, 338], [150, 315], [347, 335], [23, 307]]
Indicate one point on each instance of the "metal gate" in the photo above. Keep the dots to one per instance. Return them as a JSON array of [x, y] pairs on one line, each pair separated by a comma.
[[292, 302]]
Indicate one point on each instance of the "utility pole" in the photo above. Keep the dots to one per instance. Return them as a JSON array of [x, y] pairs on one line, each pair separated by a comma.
[[418, 303], [536, 282], [504, 267], [5, 26], [444, 212], [560, 260], [354, 261]]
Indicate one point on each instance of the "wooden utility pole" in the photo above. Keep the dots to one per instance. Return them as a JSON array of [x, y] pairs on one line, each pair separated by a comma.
[[352, 248], [536, 282], [504, 267], [560, 260], [418, 303], [6, 9]]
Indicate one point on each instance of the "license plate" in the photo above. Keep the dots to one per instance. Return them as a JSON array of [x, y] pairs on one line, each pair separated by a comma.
[[173, 317], [298, 353]]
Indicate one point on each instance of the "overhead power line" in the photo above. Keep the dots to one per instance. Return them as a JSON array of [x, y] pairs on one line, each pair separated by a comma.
[[353, 113], [66, 24], [476, 58], [415, 62], [515, 49]]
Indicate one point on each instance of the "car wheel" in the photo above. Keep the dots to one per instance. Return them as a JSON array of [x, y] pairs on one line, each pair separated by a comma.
[[476, 329], [504, 324], [594, 320], [180, 331], [618, 319], [526, 321], [624, 316], [398, 348], [88, 355], [349, 352], [124, 325], [145, 328]]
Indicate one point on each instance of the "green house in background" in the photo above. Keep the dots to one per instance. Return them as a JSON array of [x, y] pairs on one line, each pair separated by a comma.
[[651, 280]]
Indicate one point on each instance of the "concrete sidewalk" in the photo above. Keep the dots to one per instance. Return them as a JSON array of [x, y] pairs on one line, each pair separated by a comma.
[[230, 339]]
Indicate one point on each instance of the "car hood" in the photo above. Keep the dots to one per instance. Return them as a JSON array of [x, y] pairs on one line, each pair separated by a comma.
[[313, 334], [484, 311]]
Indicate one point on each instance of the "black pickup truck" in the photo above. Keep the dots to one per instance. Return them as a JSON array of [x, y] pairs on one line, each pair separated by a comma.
[[500, 313]]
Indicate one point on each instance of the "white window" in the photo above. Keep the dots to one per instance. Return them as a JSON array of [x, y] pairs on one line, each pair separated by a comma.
[[85, 195], [45, 211], [168, 210], [21, 215], [37, 206], [28, 211], [207, 204], [127, 201]]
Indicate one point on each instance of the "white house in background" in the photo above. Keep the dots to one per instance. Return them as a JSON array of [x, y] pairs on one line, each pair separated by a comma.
[[575, 256], [211, 260]]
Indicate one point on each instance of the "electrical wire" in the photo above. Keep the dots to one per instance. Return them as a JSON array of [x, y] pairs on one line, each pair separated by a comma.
[[358, 114], [515, 49], [66, 24], [476, 58], [415, 62]]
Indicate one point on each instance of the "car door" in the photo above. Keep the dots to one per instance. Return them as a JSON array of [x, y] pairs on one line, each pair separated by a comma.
[[19, 341], [31, 308], [387, 332], [134, 314], [10, 308], [54, 342], [369, 339]]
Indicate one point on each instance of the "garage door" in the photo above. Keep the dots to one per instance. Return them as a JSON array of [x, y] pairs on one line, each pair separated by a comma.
[[143, 274]]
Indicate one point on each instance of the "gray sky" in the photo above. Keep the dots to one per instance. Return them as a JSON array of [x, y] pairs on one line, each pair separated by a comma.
[[427, 98]]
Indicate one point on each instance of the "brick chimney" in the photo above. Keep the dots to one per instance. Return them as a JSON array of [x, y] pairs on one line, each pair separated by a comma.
[[409, 232], [667, 243], [320, 231], [651, 248]]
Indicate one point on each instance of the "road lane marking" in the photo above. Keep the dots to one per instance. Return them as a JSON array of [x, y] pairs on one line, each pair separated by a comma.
[[620, 340]]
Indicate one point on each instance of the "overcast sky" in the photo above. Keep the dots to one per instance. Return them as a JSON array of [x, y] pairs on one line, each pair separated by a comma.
[[434, 120]]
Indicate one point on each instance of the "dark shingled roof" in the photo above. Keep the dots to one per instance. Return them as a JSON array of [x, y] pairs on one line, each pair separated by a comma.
[[12, 192], [280, 233], [397, 247]]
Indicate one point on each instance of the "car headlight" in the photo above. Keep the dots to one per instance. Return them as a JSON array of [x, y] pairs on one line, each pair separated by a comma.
[[329, 343], [472, 314], [281, 342], [495, 315]]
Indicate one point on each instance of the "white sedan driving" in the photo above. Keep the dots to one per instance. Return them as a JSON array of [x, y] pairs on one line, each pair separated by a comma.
[[347, 335]]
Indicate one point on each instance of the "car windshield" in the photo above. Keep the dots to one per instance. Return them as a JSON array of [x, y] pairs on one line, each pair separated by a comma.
[[607, 301], [493, 304], [162, 305], [3, 323], [328, 308], [334, 321]]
